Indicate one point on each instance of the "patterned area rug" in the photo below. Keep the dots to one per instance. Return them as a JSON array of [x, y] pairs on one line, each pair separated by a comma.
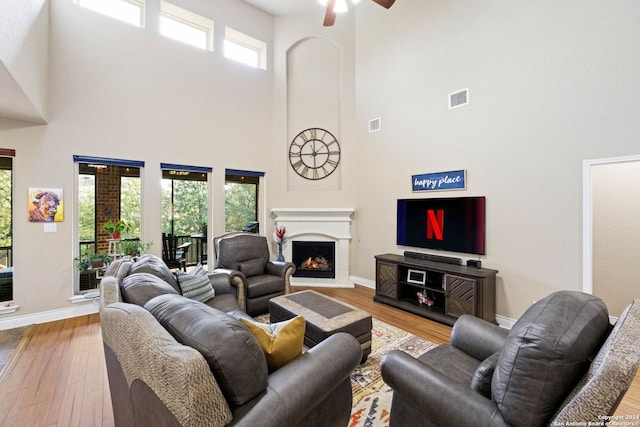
[[371, 396]]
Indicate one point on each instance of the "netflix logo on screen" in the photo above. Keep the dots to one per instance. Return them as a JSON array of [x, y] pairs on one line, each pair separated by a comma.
[[450, 224], [435, 224]]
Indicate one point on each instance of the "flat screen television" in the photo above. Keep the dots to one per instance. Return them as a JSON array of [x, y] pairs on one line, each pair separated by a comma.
[[454, 224]]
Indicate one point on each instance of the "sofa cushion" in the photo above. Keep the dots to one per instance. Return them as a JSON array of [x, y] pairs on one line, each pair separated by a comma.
[[119, 268], [263, 284], [225, 302], [232, 352], [281, 342], [237, 248], [546, 352], [138, 288], [152, 264], [195, 284], [252, 267], [481, 380], [458, 366]]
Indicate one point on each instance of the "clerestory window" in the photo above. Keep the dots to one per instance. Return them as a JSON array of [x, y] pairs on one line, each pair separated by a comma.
[[186, 26], [129, 11], [246, 49]]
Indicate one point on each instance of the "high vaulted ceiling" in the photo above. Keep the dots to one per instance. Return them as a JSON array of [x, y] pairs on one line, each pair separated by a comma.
[[15, 104]]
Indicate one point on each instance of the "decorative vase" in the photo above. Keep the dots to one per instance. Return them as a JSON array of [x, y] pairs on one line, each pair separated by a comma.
[[280, 257]]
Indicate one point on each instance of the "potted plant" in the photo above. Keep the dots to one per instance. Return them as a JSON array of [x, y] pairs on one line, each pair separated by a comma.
[[115, 228], [134, 247], [91, 260]]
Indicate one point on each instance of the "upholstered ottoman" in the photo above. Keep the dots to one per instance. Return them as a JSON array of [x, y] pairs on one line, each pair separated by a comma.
[[324, 317]]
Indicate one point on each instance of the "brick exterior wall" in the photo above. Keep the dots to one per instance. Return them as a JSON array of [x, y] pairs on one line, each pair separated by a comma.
[[108, 204]]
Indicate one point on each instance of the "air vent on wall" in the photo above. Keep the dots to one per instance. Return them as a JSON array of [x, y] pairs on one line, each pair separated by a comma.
[[459, 98], [374, 125]]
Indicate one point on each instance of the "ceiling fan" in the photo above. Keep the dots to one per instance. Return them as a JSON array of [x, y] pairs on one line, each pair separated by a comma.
[[330, 14]]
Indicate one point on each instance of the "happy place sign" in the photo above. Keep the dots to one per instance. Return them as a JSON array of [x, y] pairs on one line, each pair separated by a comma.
[[453, 180]]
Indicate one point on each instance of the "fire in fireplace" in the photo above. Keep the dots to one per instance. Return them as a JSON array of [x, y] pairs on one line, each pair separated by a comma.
[[313, 259]]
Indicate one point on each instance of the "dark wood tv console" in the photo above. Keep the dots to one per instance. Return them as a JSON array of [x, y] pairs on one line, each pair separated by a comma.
[[453, 289]]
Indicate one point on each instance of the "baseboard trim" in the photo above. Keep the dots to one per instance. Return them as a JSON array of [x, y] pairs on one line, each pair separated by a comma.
[[314, 282], [505, 322], [363, 282], [49, 316]]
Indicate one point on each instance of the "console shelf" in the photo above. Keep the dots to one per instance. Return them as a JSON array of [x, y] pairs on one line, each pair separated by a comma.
[[453, 289]]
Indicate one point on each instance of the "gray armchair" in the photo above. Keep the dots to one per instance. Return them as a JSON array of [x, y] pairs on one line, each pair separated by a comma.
[[245, 257], [543, 371]]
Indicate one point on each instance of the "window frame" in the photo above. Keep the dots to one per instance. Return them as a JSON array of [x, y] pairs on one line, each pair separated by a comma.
[[8, 286], [79, 296], [245, 41], [140, 4], [249, 178], [175, 173], [187, 18]]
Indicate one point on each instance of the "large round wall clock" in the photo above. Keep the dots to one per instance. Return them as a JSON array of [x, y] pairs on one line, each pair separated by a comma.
[[314, 153]]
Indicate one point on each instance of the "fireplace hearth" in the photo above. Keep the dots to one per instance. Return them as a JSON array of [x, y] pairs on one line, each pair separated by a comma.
[[314, 259]]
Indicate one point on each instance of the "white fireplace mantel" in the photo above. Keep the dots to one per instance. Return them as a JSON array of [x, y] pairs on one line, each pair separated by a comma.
[[313, 214], [318, 224]]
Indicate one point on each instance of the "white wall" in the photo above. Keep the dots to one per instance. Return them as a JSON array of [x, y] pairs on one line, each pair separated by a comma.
[[551, 84], [124, 92], [24, 58]]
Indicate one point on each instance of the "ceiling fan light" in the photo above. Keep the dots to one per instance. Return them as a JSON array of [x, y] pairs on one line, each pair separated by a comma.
[[341, 6]]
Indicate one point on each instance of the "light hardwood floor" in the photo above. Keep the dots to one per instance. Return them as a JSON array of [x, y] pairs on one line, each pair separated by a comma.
[[59, 377]]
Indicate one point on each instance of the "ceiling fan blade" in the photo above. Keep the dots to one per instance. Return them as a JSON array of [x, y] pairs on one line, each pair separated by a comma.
[[330, 14], [385, 3]]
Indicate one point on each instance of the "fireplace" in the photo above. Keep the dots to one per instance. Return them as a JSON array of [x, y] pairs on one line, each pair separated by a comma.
[[313, 225], [313, 259]]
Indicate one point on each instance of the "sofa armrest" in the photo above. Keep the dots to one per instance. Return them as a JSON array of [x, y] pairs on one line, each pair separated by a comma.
[[109, 291], [288, 398], [435, 396], [230, 272], [477, 337], [278, 268], [283, 269], [221, 283], [239, 282]]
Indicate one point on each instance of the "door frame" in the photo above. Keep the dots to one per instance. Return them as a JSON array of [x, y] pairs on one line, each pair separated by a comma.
[[587, 215]]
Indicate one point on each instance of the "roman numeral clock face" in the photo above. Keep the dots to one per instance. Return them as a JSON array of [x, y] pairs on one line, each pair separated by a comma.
[[314, 153]]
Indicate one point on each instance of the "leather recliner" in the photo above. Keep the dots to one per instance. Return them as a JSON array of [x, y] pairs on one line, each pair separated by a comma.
[[540, 372], [245, 257]]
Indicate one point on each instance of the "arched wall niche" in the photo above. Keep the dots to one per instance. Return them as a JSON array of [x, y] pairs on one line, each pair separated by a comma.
[[314, 98]]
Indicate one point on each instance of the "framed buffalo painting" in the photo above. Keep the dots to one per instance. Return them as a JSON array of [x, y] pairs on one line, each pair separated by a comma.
[[45, 205]]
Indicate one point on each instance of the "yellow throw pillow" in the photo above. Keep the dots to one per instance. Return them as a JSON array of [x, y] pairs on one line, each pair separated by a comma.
[[281, 342]]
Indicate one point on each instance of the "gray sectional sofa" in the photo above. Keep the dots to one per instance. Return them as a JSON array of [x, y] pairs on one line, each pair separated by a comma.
[[174, 361]]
